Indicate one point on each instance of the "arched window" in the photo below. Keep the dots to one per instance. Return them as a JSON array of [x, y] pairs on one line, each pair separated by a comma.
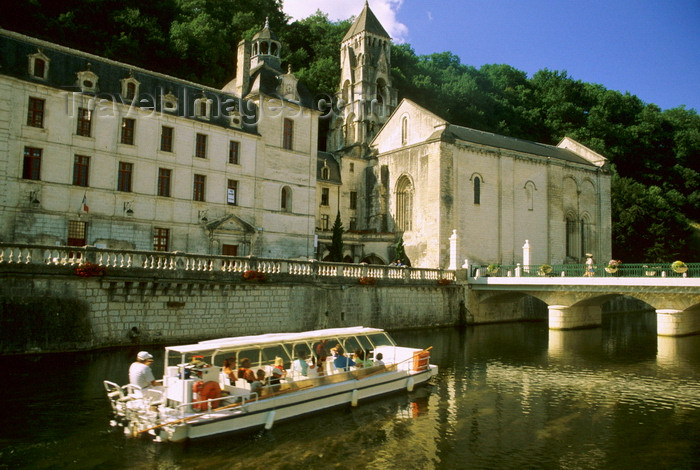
[[571, 238], [325, 173], [586, 237], [404, 130], [530, 195], [477, 190], [350, 130], [404, 204], [286, 199]]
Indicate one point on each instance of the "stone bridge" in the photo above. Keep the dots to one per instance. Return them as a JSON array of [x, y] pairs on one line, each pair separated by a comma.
[[575, 302]]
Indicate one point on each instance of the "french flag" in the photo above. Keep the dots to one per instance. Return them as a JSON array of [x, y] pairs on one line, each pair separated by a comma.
[[85, 206]]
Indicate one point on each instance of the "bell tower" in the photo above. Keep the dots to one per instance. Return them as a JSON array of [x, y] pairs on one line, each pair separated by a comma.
[[365, 97]]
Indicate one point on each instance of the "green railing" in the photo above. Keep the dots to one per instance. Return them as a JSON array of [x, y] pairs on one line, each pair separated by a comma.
[[599, 270]]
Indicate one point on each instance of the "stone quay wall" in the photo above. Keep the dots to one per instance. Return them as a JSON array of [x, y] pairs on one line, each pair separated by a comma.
[[49, 308]]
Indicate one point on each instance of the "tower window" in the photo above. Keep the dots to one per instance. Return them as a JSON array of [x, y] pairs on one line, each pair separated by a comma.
[[286, 199], [477, 190], [233, 152], [288, 137]]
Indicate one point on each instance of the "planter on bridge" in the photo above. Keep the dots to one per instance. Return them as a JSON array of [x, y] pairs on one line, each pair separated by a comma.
[[679, 267]]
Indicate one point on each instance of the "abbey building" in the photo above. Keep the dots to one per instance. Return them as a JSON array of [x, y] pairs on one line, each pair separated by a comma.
[[97, 152]]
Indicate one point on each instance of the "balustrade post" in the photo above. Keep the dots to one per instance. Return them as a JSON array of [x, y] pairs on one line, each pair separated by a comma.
[[252, 263], [36, 256], [406, 274], [180, 261], [90, 254], [284, 267], [339, 270]]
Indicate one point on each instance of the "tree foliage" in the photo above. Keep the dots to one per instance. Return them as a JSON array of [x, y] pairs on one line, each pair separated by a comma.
[[336, 250], [655, 154]]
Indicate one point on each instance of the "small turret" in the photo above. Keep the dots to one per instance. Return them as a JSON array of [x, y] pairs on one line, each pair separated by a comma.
[[265, 48]]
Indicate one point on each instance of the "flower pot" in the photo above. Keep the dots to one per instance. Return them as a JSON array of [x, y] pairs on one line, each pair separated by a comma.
[[680, 269], [610, 270]]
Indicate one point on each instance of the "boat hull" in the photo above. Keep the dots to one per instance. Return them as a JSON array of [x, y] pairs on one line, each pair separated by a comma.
[[265, 412]]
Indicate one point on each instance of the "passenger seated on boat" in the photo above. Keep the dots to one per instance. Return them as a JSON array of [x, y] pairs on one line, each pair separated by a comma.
[[316, 369], [257, 386], [300, 368], [378, 359], [341, 362], [360, 360], [229, 368], [277, 373], [244, 371]]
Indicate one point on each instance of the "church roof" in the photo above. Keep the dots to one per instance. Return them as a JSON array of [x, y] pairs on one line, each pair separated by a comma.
[[366, 22], [511, 143]]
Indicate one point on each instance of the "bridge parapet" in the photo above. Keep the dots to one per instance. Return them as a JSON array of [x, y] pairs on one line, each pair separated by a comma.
[[644, 270]]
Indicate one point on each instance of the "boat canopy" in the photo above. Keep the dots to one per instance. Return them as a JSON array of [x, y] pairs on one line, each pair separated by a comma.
[[225, 344]]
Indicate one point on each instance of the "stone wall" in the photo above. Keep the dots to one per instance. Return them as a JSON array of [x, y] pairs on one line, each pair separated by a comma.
[[130, 307]]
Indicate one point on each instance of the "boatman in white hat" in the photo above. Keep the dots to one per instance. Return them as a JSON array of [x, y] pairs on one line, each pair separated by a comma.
[[140, 372]]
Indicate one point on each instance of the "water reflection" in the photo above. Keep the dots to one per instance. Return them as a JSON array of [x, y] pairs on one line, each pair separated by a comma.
[[507, 396]]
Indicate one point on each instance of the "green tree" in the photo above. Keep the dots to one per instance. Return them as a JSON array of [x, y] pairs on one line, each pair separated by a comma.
[[336, 250], [646, 223]]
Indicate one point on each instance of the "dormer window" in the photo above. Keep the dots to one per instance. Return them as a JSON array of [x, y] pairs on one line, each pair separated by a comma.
[[130, 88], [169, 103], [325, 172], [235, 119], [87, 81], [202, 108], [39, 66]]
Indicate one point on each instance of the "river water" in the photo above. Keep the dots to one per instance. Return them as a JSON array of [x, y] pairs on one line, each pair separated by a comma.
[[510, 396]]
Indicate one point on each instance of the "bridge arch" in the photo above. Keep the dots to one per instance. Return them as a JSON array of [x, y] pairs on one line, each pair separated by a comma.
[[581, 305]]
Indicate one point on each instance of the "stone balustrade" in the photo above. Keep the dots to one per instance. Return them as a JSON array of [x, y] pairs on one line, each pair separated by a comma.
[[17, 253]]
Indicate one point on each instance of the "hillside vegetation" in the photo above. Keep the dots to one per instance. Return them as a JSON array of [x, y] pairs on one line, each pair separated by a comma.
[[655, 154]]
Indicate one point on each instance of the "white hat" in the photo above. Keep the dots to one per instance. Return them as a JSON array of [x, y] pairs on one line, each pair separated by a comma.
[[144, 356]]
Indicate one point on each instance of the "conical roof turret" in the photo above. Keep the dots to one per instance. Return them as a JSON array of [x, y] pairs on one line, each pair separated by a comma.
[[366, 22]]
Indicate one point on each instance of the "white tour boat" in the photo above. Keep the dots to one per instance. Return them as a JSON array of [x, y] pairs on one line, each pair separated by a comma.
[[198, 399]]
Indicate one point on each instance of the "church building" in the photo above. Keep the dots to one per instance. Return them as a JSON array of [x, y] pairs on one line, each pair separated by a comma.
[[408, 176]]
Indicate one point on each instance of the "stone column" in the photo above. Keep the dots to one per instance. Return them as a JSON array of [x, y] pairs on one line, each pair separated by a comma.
[[453, 251], [674, 322], [563, 317], [526, 256]]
